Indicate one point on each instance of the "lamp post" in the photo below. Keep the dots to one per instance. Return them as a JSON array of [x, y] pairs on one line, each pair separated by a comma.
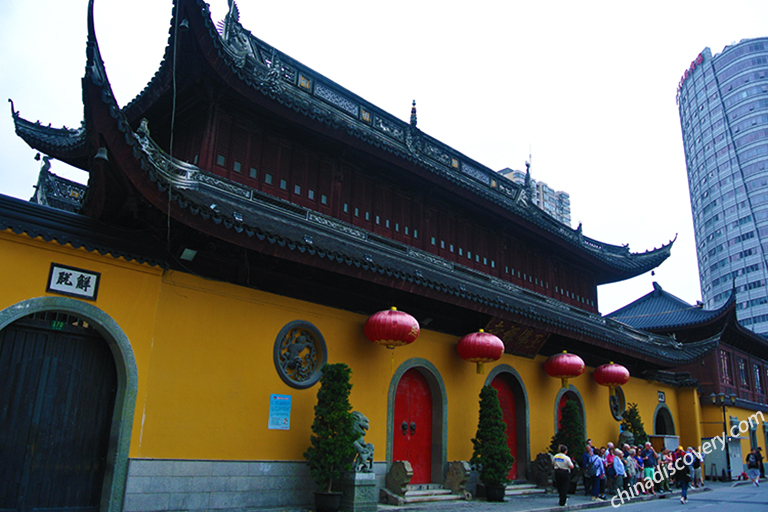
[[723, 401]]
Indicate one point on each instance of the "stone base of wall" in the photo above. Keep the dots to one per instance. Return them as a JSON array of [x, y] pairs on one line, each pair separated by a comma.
[[198, 485], [205, 485]]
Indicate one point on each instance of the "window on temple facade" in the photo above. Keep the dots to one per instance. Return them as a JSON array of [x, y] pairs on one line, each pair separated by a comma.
[[758, 382], [725, 368], [743, 373]]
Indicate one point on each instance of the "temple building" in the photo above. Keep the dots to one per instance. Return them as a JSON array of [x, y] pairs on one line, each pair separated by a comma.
[[163, 330], [734, 374]]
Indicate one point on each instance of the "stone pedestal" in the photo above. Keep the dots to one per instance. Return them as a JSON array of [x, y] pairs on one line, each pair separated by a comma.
[[358, 492]]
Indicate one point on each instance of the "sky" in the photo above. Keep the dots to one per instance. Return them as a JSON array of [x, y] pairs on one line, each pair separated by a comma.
[[584, 89]]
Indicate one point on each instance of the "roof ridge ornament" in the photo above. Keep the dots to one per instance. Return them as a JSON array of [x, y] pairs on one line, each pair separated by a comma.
[[14, 112], [525, 198], [271, 77], [236, 39], [413, 135]]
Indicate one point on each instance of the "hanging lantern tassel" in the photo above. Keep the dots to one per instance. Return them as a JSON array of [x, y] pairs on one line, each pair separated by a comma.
[[479, 348], [391, 328], [611, 375], [564, 366]]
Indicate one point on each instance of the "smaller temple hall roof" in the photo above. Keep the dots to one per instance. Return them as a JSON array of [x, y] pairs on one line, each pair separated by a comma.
[[660, 310]]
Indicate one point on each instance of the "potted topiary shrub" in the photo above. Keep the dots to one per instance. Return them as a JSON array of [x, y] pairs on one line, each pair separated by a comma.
[[333, 435], [491, 454]]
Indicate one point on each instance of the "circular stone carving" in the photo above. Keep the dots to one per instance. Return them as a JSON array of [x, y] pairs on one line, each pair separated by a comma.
[[300, 354], [617, 403]]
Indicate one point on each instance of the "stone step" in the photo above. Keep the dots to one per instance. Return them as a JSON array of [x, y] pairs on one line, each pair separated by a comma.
[[423, 487], [421, 493], [428, 492], [422, 498]]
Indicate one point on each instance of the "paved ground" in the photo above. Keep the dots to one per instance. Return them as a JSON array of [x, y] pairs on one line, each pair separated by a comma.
[[544, 502]]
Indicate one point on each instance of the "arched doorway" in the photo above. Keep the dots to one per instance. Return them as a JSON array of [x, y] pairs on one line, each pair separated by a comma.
[[416, 429], [58, 384], [663, 424], [564, 396], [68, 378], [514, 407]]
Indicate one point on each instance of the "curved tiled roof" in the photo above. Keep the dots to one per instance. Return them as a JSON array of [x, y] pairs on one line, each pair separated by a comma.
[[282, 79], [660, 310]]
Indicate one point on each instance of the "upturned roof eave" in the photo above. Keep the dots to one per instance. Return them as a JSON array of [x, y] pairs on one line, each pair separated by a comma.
[[65, 144]]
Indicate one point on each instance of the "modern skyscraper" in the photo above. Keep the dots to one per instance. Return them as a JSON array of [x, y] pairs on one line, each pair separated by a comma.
[[723, 105]]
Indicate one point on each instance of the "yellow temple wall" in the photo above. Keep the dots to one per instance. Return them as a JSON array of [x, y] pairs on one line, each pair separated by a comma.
[[204, 355]]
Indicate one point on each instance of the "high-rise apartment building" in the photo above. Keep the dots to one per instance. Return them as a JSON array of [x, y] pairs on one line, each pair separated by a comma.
[[555, 202], [723, 105]]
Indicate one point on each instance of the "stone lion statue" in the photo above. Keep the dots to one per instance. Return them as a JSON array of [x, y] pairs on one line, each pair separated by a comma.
[[363, 462]]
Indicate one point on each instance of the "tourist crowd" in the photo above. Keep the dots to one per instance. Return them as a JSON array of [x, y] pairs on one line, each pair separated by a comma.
[[609, 470]]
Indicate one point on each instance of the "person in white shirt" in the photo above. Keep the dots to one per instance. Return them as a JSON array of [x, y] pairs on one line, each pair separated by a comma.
[[563, 466]]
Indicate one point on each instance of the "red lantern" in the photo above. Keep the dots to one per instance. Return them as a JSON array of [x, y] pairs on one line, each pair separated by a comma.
[[391, 328], [480, 347], [611, 375], [564, 366]]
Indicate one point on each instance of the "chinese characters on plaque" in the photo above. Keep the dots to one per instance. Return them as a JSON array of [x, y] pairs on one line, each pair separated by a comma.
[[73, 281]]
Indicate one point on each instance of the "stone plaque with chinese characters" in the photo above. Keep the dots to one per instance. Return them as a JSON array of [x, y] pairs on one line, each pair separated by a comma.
[[75, 282]]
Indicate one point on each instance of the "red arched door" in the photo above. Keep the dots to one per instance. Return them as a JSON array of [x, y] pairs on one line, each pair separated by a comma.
[[509, 414], [412, 432]]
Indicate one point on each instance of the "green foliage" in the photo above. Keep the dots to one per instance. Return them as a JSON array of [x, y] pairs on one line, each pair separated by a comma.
[[491, 454], [333, 433], [570, 431], [631, 421]]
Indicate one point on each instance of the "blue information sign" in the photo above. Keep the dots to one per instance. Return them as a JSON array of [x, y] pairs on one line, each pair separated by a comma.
[[279, 412]]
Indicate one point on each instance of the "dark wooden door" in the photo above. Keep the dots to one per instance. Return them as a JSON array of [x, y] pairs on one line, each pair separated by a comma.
[[412, 431], [57, 391], [509, 415]]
